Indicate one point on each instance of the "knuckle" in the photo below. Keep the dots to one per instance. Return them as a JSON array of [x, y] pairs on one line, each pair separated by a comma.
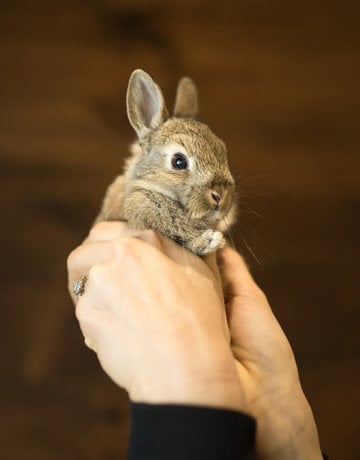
[[96, 273], [97, 230], [72, 258], [152, 236], [81, 312], [106, 230], [86, 318], [123, 247], [131, 246]]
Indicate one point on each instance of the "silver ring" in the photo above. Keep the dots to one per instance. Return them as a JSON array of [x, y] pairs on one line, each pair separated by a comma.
[[79, 286]]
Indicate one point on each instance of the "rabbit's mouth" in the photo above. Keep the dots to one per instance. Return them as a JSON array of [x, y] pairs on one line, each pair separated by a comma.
[[217, 213]]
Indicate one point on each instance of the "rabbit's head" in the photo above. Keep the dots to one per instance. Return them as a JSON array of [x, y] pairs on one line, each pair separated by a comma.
[[181, 157]]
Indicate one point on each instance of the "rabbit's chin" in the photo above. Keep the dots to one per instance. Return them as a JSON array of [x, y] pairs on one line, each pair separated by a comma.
[[210, 216]]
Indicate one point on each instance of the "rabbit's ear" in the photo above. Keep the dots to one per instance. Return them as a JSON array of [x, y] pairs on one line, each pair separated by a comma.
[[186, 102], [145, 103]]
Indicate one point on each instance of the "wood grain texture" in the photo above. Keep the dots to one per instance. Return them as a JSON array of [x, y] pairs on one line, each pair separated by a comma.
[[279, 82]]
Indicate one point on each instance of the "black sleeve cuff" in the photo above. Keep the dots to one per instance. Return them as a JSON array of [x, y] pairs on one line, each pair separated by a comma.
[[164, 432]]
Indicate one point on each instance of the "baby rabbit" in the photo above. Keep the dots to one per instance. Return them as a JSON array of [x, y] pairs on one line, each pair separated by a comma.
[[178, 180]]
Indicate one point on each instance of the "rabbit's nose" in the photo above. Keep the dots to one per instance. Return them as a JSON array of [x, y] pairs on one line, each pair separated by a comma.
[[216, 197]]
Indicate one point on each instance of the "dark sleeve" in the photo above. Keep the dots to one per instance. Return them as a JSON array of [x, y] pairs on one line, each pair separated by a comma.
[[163, 432]]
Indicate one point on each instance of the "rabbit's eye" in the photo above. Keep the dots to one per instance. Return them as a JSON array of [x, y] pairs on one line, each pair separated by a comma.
[[179, 161]]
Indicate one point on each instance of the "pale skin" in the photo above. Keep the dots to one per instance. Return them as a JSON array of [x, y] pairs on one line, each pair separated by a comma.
[[154, 313]]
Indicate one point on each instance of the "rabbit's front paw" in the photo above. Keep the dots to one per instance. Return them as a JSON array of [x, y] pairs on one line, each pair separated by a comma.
[[208, 241]]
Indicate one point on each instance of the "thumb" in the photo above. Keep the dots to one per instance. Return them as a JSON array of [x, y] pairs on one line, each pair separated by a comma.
[[248, 309], [235, 273]]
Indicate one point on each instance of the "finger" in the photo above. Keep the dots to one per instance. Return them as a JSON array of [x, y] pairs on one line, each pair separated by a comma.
[[90, 344], [90, 321], [236, 273], [82, 258], [78, 261], [108, 230], [186, 258], [211, 262], [94, 253]]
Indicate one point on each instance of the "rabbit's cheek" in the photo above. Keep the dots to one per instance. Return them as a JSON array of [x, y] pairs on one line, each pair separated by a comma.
[[197, 213]]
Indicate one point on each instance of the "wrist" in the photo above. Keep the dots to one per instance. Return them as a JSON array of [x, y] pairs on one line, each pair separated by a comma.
[[213, 392], [306, 442], [291, 416], [211, 381]]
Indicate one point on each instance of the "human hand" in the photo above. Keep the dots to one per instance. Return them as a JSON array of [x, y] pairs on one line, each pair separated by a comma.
[[267, 369], [154, 313], [178, 351]]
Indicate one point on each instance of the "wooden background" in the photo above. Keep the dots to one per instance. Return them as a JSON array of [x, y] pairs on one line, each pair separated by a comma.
[[279, 81]]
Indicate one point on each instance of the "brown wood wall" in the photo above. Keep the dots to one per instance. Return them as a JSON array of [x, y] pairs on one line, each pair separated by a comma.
[[279, 81]]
